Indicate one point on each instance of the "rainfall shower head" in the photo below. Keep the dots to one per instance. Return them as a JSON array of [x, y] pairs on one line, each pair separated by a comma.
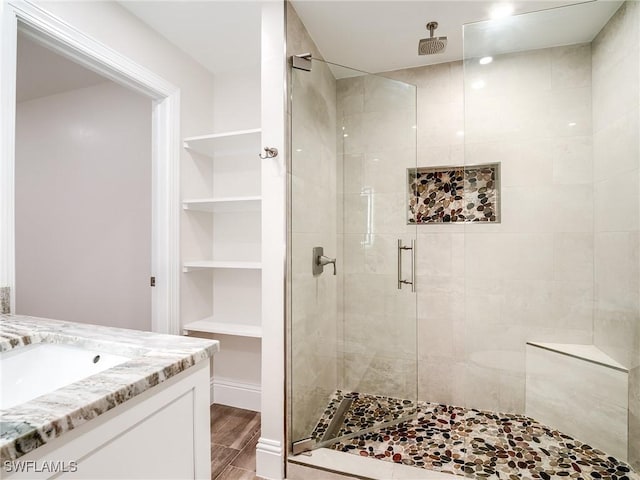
[[431, 45]]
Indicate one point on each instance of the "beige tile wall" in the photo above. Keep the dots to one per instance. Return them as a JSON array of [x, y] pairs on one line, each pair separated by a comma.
[[616, 139], [440, 248], [616, 155], [484, 290], [313, 177], [376, 119], [535, 269]]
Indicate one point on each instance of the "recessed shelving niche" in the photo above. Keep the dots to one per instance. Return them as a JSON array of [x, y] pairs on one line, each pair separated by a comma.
[[226, 214]]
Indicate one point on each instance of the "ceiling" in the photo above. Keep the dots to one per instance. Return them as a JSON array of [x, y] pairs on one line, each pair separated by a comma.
[[378, 36], [369, 35], [41, 72], [541, 29], [221, 35]]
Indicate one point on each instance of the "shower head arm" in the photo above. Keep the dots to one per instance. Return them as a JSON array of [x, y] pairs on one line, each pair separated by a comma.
[[431, 26]]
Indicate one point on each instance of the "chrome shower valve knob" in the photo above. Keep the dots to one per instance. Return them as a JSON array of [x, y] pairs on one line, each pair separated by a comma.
[[320, 260]]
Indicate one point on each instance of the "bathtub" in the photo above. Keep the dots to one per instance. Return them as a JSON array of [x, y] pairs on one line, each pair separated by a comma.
[[34, 370]]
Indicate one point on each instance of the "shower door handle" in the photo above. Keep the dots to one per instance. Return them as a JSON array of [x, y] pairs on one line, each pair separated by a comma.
[[411, 282]]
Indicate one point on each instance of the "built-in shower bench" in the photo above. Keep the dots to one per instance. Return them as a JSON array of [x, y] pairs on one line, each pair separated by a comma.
[[581, 391]]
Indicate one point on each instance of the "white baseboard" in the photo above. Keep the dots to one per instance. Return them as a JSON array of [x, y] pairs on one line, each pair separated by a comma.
[[235, 394], [269, 459]]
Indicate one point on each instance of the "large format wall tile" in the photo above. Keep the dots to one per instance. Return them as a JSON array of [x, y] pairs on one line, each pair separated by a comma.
[[616, 146], [617, 260], [571, 66], [572, 160], [617, 140], [616, 208], [531, 276], [376, 132], [313, 175]]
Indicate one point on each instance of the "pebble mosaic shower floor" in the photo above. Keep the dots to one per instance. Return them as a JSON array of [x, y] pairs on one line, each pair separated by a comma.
[[464, 441]]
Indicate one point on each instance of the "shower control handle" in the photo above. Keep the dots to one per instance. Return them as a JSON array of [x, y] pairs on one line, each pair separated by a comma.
[[411, 282], [320, 261], [326, 261]]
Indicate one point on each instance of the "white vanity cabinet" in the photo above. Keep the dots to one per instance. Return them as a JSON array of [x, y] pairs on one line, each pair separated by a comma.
[[161, 433]]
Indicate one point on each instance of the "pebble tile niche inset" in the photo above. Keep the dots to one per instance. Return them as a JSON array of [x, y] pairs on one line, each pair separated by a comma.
[[467, 442], [454, 194]]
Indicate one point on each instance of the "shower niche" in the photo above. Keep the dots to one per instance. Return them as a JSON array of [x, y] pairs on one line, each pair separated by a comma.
[[454, 194]]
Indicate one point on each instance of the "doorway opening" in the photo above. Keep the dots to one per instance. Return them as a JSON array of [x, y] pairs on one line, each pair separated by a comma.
[[28, 20], [82, 192]]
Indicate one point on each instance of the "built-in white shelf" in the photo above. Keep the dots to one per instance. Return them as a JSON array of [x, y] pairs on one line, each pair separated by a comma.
[[210, 325], [227, 143], [202, 264], [223, 204], [233, 205]]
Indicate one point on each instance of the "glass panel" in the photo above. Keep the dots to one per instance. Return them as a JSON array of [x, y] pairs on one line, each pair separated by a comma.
[[549, 290], [353, 335], [313, 223]]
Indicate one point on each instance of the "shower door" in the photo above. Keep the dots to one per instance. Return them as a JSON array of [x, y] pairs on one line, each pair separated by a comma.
[[353, 356]]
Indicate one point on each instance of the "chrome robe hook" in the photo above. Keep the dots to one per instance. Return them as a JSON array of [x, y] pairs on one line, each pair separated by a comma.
[[270, 152]]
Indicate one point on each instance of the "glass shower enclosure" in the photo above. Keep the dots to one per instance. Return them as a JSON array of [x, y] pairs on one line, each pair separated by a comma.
[[512, 211], [353, 309]]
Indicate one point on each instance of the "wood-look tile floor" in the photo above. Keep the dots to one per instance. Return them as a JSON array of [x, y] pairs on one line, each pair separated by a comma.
[[234, 436]]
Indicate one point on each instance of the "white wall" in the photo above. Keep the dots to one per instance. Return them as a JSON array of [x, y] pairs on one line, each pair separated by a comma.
[[114, 26], [83, 207], [237, 99], [238, 95], [271, 449]]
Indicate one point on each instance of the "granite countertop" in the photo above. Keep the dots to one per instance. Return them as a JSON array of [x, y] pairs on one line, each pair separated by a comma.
[[154, 358]]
